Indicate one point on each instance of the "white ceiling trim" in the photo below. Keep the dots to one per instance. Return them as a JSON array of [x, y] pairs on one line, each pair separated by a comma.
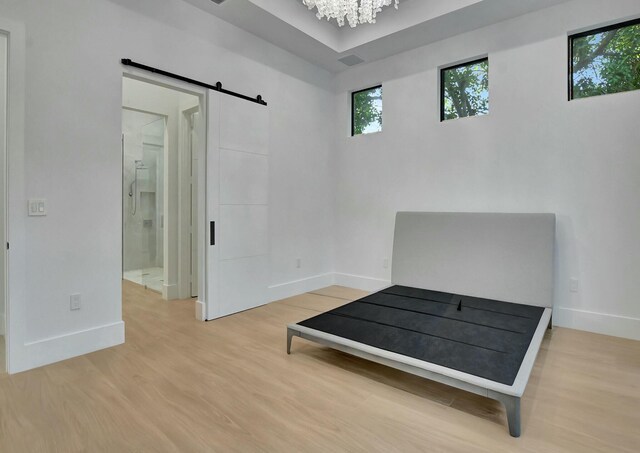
[[291, 26]]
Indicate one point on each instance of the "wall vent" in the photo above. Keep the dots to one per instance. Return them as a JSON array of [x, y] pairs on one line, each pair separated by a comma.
[[351, 60]]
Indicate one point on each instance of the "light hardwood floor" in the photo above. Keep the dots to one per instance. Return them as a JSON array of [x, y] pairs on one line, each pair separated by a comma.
[[179, 385]]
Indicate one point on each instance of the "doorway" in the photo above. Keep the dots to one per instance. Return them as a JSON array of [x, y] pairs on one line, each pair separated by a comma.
[[160, 126]]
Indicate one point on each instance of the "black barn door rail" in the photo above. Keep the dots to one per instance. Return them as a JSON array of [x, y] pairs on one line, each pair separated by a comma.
[[216, 87]]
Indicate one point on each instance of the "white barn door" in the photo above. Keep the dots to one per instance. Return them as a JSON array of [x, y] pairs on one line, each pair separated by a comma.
[[238, 203]]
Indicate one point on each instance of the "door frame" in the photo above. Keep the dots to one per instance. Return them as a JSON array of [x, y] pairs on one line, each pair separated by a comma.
[[185, 208], [14, 195], [202, 94], [4, 127]]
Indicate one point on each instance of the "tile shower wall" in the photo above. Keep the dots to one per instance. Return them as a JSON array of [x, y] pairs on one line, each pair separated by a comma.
[[143, 136]]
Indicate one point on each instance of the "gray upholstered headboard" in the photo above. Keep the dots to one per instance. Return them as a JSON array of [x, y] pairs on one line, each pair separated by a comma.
[[505, 257]]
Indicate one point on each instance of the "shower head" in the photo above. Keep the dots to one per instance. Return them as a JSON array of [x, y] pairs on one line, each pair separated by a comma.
[[140, 165]]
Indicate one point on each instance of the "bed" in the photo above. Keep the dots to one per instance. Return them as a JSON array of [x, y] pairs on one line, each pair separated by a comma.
[[470, 300]]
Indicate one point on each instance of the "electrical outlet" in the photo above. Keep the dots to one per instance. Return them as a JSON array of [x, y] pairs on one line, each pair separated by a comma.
[[298, 263], [385, 263], [74, 302], [573, 285]]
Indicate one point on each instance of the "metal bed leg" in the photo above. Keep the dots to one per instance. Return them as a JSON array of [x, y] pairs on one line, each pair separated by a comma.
[[290, 334], [512, 405]]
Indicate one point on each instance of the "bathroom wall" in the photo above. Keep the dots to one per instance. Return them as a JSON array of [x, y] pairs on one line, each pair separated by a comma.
[[154, 137]]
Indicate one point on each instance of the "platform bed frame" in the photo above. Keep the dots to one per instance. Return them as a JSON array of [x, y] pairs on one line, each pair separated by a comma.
[[507, 256]]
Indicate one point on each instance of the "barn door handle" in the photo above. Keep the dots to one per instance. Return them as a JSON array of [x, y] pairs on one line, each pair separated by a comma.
[[212, 233]]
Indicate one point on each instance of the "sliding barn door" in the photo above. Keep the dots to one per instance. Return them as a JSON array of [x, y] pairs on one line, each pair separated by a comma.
[[238, 203]]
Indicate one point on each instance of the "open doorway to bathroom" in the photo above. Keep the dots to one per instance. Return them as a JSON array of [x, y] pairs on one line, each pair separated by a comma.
[[160, 188]]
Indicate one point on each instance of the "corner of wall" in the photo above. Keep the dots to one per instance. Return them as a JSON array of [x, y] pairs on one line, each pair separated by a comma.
[[361, 282]]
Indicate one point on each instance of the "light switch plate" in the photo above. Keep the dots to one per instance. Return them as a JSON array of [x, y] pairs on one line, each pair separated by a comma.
[[74, 302], [37, 207], [573, 285]]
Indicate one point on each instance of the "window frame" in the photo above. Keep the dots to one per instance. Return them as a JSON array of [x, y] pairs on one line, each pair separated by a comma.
[[593, 31], [442, 88], [353, 117]]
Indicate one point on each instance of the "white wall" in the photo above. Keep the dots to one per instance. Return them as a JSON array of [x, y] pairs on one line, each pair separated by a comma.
[[534, 152], [3, 138], [73, 158]]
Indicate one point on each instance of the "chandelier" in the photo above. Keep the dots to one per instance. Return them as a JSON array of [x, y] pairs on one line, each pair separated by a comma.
[[356, 11]]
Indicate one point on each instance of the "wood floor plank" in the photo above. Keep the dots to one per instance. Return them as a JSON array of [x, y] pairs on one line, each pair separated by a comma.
[[317, 303], [179, 385], [341, 292]]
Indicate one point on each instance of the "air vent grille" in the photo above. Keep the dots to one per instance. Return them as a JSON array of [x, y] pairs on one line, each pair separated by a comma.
[[351, 60]]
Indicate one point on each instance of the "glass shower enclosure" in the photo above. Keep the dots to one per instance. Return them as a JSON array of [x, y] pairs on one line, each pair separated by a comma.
[[143, 143]]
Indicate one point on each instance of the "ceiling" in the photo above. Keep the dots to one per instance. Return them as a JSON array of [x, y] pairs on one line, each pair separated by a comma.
[[290, 25]]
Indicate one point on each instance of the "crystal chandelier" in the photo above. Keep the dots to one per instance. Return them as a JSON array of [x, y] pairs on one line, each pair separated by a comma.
[[356, 11]]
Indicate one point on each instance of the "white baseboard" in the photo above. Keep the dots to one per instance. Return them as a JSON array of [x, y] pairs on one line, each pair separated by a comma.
[[361, 282], [2, 327], [170, 292], [201, 311], [55, 349], [289, 289], [617, 326]]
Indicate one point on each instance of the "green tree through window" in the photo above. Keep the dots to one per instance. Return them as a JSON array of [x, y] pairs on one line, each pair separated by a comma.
[[606, 61], [366, 111], [465, 90]]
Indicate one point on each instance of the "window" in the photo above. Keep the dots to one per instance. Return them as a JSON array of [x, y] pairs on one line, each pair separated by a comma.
[[464, 90], [604, 61], [366, 111]]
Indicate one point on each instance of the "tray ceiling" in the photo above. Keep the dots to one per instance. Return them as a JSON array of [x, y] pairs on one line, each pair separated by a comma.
[[292, 26]]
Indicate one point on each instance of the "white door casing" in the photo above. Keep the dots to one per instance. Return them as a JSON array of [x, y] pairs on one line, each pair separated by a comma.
[[193, 145], [19, 357], [3, 172]]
